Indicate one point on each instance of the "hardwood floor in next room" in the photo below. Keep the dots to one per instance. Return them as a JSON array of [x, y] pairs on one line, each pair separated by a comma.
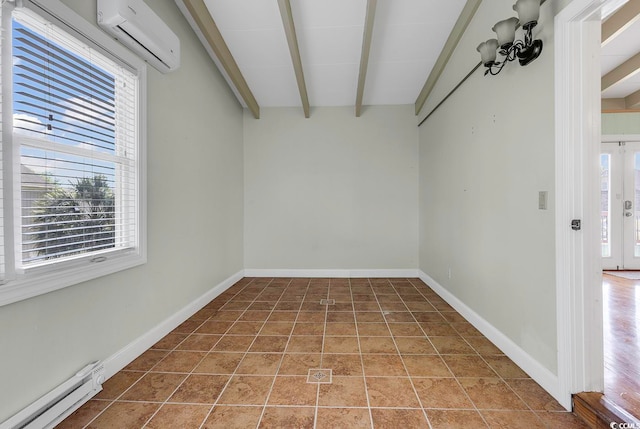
[[622, 342]]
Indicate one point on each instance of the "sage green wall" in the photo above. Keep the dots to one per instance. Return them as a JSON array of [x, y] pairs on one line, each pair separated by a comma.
[[621, 123], [332, 191], [195, 228], [484, 156]]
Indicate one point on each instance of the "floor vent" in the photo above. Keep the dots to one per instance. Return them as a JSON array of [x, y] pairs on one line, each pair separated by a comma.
[[56, 405], [327, 302]]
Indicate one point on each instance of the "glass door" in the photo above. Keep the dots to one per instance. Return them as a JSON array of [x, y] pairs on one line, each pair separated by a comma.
[[620, 205]]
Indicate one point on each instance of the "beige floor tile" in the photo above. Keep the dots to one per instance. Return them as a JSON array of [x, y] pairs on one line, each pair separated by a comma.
[[426, 366], [441, 393], [269, 344], [383, 365], [491, 394], [289, 417], [468, 366], [260, 364], [199, 342], [233, 343], [341, 345], [414, 345], [513, 419], [373, 330], [392, 344], [219, 363], [293, 390], [451, 345], [124, 415], [505, 367], [246, 390], [347, 418], [455, 419], [169, 341], [391, 392], [229, 417], [200, 389], [117, 384], [533, 395], [398, 418], [153, 387], [179, 416], [305, 344], [179, 361], [298, 363], [343, 364], [378, 345], [343, 392]]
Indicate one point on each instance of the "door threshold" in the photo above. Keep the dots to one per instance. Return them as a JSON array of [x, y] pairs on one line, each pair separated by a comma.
[[598, 411]]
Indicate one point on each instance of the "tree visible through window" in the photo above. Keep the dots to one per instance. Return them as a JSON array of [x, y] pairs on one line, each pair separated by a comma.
[[73, 148], [72, 151]]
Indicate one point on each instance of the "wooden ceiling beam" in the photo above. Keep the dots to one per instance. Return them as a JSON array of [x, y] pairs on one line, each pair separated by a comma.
[[620, 21], [205, 27], [364, 56], [632, 101], [458, 30], [622, 72], [292, 41]]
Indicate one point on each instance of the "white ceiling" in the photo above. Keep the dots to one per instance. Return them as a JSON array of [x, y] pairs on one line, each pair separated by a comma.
[[408, 36], [621, 48]]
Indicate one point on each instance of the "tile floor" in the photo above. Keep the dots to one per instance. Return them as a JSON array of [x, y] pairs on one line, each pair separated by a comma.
[[388, 353]]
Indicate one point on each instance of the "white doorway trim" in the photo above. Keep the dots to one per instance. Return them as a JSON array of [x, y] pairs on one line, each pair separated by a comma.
[[578, 136]]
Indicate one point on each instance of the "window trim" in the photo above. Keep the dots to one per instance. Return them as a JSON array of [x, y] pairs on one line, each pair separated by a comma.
[[40, 280]]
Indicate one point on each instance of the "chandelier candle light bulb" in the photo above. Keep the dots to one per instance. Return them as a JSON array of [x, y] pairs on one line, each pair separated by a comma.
[[511, 49]]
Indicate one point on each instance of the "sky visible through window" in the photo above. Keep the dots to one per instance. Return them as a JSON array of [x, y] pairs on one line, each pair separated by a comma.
[[65, 122], [61, 98]]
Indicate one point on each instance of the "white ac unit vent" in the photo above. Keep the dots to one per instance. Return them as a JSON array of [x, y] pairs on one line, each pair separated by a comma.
[[136, 25]]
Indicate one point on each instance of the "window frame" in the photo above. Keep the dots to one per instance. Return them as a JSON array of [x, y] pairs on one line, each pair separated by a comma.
[[37, 280]]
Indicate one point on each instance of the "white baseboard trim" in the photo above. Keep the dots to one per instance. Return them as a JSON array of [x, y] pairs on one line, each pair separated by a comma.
[[127, 354], [545, 378], [337, 273]]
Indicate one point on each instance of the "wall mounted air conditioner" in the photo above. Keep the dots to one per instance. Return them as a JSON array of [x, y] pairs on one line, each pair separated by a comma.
[[135, 25]]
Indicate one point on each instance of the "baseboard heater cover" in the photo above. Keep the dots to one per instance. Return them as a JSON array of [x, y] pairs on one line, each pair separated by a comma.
[[56, 405]]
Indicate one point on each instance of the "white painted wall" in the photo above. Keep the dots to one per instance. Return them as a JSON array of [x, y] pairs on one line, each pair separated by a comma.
[[484, 156], [195, 227], [332, 191]]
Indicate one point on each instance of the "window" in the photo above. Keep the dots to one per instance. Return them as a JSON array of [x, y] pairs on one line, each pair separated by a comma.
[[72, 181]]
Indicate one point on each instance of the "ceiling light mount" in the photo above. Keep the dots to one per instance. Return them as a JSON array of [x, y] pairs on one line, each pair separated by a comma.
[[525, 50]]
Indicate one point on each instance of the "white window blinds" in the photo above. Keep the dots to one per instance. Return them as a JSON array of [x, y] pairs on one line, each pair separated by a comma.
[[74, 135]]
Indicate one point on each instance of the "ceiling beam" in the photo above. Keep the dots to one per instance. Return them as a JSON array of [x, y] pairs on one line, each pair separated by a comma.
[[209, 31], [364, 56], [622, 72], [458, 30], [620, 21], [632, 101], [292, 40], [610, 105]]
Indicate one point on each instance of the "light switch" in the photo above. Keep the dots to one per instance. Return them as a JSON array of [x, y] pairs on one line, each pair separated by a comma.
[[542, 200]]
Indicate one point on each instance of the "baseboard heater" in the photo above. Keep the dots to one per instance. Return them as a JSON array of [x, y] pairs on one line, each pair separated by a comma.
[[56, 405]]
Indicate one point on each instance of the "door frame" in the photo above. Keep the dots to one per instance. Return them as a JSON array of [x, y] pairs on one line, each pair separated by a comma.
[[578, 137]]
